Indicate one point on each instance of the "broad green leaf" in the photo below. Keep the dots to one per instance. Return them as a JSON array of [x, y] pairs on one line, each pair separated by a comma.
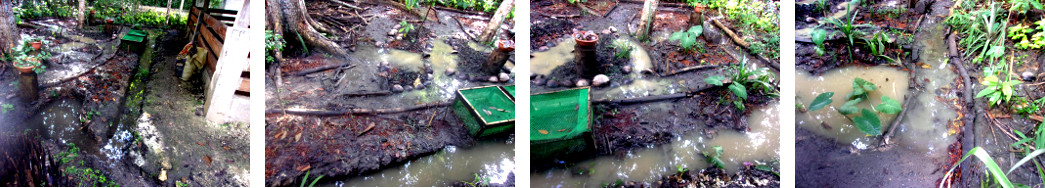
[[850, 107], [996, 51], [986, 91], [821, 101], [867, 86], [1035, 4], [739, 90], [688, 41], [889, 106], [868, 122], [1006, 90], [819, 35], [715, 80], [696, 30], [677, 35]]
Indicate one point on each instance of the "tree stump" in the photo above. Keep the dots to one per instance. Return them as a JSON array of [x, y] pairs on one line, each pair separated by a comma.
[[495, 62], [28, 86], [585, 59]]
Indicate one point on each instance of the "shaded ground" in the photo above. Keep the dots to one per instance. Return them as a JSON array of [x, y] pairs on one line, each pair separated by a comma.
[[99, 126]]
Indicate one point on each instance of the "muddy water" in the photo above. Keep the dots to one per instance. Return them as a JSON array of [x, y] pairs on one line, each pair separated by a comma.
[[759, 145], [640, 88], [489, 159], [61, 121], [544, 62], [891, 82]]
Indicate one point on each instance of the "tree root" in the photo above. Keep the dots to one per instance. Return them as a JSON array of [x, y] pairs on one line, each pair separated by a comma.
[[355, 111]]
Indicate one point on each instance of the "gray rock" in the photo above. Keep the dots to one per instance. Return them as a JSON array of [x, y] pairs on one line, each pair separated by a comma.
[[712, 33], [492, 79], [810, 20], [552, 84], [542, 48], [566, 83], [397, 88], [450, 71], [626, 69], [613, 29], [1028, 76], [408, 88], [600, 80], [606, 31]]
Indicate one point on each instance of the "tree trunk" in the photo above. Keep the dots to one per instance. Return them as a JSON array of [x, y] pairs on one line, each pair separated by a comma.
[[293, 14], [273, 23], [167, 17], [181, 6], [9, 34], [82, 8], [649, 11], [494, 26]]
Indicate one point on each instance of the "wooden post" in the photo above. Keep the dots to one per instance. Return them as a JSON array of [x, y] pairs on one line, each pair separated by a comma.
[[584, 57], [28, 86], [233, 60], [495, 22], [496, 61], [82, 8], [649, 11]]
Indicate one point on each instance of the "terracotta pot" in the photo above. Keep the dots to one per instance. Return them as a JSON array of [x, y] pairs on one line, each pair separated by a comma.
[[108, 20], [24, 70], [505, 45], [586, 38], [37, 45], [699, 8]]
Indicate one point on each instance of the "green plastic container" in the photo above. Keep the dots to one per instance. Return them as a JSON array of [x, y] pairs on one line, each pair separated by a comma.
[[510, 90], [559, 122], [485, 110], [134, 41]]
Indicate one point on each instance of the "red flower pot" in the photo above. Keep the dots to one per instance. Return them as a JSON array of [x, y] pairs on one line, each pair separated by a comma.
[[37, 45], [586, 38], [24, 70]]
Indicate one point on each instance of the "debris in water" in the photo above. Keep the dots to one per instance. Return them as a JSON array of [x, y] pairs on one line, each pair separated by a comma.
[[304, 168], [368, 128], [543, 131], [163, 175], [487, 112], [207, 159], [562, 130]]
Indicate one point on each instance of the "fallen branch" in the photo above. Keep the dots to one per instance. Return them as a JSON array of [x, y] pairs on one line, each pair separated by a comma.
[[899, 118], [692, 68], [323, 68], [354, 111], [736, 38], [1004, 130], [587, 10], [345, 4], [363, 94], [470, 37]]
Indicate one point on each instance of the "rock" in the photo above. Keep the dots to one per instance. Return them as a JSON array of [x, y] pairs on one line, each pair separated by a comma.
[[163, 175], [408, 88], [397, 88], [492, 79], [379, 43], [712, 33], [606, 31], [431, 77], [503, 77], [384, 63], [399, 37], [537, 81], [626, 69], [462, 77], [473, 77], [450, 71], [566, 83], [600, 80], [542, 48], [922, 6], [393, 32], [810, 20], [1028, 76], [582, 83], [165, 164], [552, 84], [420, 86], [613, 29]]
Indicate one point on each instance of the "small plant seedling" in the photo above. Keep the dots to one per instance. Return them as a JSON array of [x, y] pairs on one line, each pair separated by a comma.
[[687, 38], [305, 179], [715, 158], [997, 91], [6, 108], [405, 27], [819, 35], [623, 49]]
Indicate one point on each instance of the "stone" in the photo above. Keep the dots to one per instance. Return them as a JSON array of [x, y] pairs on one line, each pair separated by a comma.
[[566, 83], [537, 81], [408, 88], [1027, 76], [552, 84], [600, 80], [712, 33], [165, 164], [397, 88], [613, 29], [379, 44], [492, 79], [450, 71], [582, 83], [626, 69], [922, 6], [810, 20], [393, 32], [606, 31], [163, 175], [542, 48], [503, 77]]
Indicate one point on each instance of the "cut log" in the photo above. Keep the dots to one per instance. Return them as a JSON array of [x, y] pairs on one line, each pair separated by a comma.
[[494, 25], [648, 15]]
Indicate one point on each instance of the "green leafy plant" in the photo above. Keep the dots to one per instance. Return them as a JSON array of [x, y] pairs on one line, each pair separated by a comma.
[[877, 44], [479, 181], [984, 34], [865, 120], [848, 29], [823, 6], [997, 91], [992, 167], [6, 108], [1021, 6], [305, 179], [819, 35], [742, 79], [405, 27], [688, 37], [623, 48], [715, 158], [681, 170], [273, 43]]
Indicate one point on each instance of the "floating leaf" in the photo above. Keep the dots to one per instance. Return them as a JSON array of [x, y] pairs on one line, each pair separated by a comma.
[[868, 122], [819, 35], [850, 107], [889, 106], [821, 101]]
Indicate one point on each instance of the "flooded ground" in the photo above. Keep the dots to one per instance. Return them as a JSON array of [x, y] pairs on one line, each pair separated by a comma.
[[492, 159], [758, 146], [891, 82]]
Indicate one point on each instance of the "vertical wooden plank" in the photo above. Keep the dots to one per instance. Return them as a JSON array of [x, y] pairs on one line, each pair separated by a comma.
[[226, 78]]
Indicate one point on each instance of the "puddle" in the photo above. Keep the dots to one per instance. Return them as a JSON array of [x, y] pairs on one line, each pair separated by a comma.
[[640, 88], [544, 62], [761, 144], [891, 82], [490, 159], [61, 121]]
